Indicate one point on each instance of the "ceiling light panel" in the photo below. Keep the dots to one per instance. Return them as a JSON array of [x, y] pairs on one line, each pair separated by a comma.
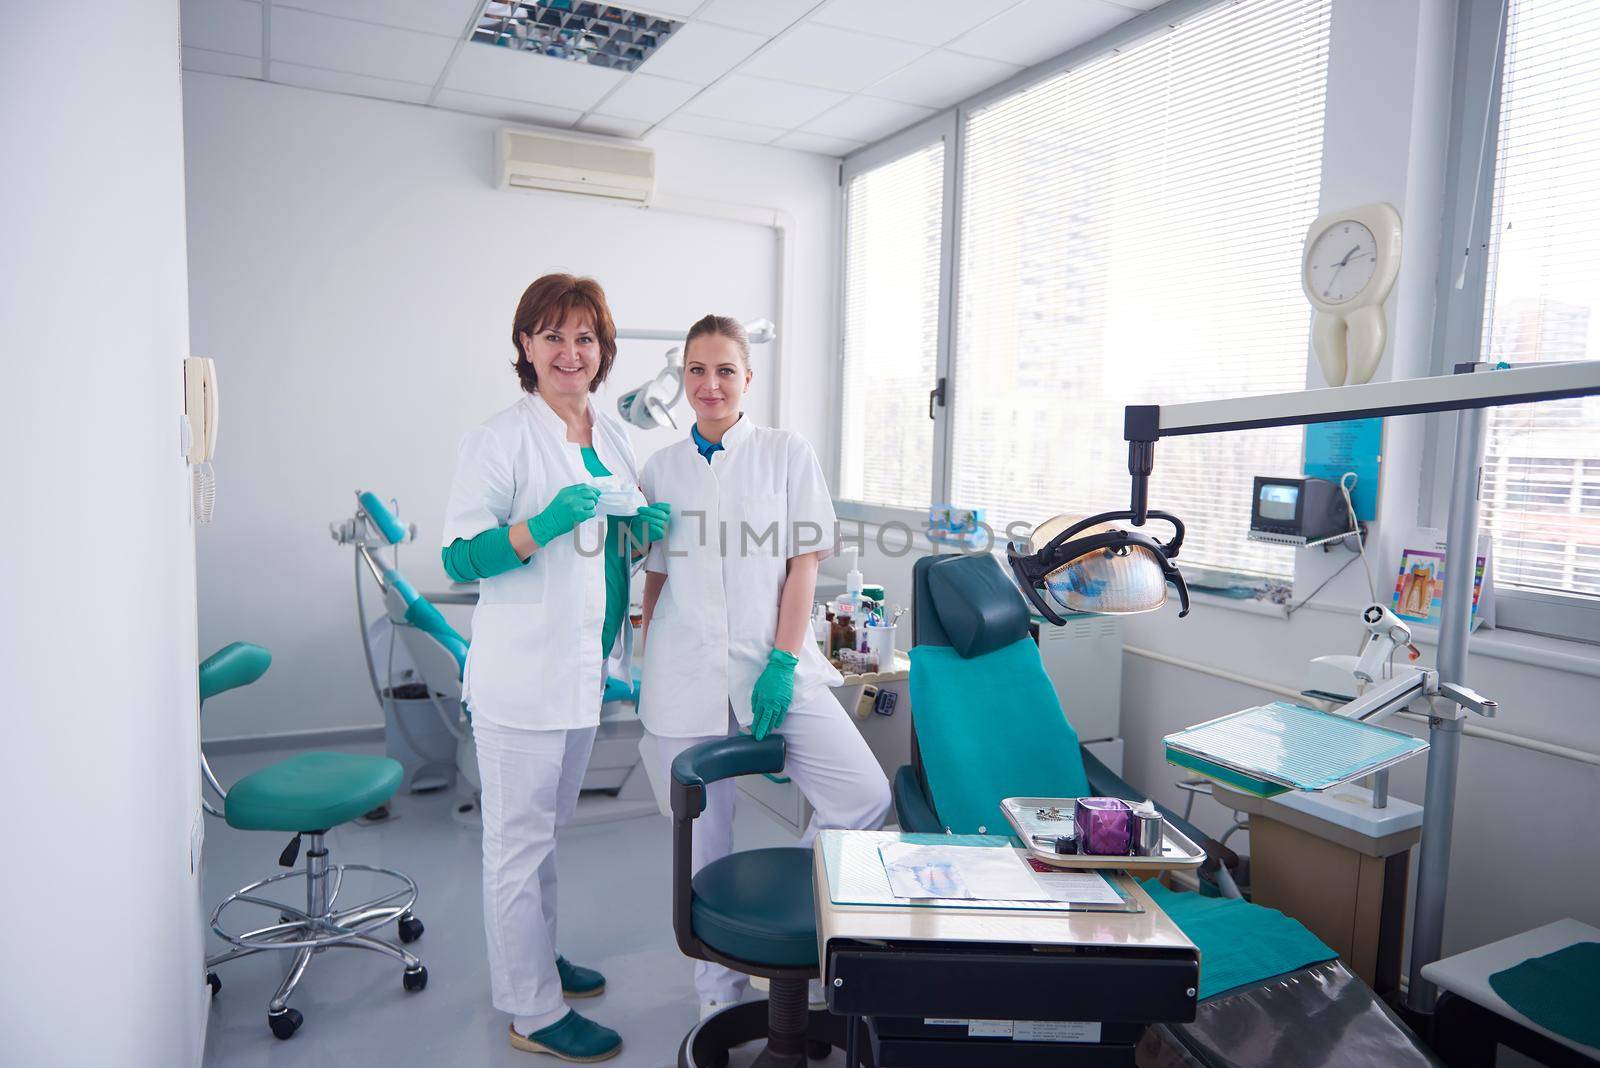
[[602, 35]]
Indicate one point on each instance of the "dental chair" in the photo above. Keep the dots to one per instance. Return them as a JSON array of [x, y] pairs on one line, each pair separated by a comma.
[[751, 911], [987, 724], [307, 796]]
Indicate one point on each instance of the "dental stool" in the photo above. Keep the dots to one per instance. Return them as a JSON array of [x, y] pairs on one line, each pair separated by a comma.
[[306, 795], [751, 911]]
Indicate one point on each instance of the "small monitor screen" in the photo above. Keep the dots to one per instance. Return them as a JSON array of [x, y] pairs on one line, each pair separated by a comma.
[[1278, 501]]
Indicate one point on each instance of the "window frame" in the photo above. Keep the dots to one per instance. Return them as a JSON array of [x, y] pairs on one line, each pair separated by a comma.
[[1471, 163], [951, 124], [942, 126]]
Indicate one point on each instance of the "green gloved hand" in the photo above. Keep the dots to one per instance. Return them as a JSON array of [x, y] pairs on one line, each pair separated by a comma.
[[571, 506], [769, 702], [650, 523]]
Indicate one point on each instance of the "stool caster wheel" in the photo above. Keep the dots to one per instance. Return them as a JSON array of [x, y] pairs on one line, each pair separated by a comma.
[[818, 1050], [214, 981], [284, 1024], [415, 978], [410, 928]]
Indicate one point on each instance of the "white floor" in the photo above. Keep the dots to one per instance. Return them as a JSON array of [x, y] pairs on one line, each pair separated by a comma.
[[615, 916]]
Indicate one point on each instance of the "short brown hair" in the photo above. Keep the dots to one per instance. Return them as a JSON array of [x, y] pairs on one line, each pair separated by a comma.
[[723, 326], [547, 303]]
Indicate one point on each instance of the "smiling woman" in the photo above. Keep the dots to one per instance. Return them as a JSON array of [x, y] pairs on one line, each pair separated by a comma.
[[523, 505]]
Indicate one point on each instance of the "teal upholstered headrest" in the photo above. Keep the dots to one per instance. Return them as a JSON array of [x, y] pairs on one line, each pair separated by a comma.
[[394, 532], [978, 607], [234, 665]]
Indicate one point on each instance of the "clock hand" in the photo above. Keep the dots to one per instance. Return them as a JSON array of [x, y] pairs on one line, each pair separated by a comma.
[[1347, 255]]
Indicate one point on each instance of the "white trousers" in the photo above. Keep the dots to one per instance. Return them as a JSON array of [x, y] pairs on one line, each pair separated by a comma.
[[530, 788], [829, 761]]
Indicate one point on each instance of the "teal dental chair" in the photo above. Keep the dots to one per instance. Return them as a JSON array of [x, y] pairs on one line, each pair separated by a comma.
[[306, 795], [751, 911], [987, 724]]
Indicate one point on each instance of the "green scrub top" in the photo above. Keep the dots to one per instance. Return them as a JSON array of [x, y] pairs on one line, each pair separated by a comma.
[[618, 570]]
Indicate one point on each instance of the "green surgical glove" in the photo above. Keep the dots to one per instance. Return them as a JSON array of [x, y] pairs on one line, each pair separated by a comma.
[[769, 702], [650, 523], [571, 506]]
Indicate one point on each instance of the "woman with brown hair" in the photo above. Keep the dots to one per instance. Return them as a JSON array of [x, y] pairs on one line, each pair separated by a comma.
[[540, 516]]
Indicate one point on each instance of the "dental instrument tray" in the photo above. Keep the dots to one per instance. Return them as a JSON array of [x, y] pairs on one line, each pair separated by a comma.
[[1272, 749], [1049, 817]]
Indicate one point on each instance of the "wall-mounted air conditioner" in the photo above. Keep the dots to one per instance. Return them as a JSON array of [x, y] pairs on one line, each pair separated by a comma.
[[568, 163]]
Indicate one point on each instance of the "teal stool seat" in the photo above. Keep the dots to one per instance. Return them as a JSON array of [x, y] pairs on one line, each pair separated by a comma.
[[312, 792], [757, 906]]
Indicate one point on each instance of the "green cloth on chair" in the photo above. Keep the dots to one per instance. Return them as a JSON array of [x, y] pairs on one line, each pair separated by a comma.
[[1559, 991], [991, 727], [1240, 943], [757, 906], [311, 792]]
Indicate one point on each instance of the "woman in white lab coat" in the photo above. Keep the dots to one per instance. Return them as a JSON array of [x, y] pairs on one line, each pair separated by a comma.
[[553, 592], [727, 611]]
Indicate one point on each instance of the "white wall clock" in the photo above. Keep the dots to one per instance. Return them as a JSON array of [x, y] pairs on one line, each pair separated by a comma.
[[1349, 266]]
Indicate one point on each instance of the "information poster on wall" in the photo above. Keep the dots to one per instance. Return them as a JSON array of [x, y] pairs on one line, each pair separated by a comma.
[[1419, 580], [1333, 449]]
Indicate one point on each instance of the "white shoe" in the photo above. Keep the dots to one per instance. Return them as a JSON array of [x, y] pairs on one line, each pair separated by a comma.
[[761, 983], [711, 1008]]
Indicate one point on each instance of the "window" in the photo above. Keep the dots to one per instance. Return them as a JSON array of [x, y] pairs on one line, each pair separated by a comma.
[[1130, 232], [1542, 297], [894, 216]]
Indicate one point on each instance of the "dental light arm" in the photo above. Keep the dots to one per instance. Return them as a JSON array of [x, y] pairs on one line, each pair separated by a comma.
[[1472, 388], [650, 405]]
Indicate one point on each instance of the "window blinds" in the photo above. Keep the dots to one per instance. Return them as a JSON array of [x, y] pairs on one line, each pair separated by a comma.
[[893, 226], [1541, 484], [1130, 232]]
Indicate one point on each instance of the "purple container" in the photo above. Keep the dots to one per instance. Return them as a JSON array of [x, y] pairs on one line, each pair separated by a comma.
[[1105, 826]]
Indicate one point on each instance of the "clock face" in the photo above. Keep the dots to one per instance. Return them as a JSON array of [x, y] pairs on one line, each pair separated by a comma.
[[1342, 261]]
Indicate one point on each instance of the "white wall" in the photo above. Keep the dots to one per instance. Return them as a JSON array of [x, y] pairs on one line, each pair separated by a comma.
[[101, 942], [355, 272]]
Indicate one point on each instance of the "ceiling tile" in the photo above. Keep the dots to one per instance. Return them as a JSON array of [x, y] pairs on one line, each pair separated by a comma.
[[941, 78], [446, 17], [762, 16], [1140, 5], [810, 142], [500, 107], [1037, 30], [702, 53], [517, 75], [647, 98], [733, 131], [207, 62], [674, 9], [614, 127], [223, 26], [931, 22], [865, 118], [313, 40], [338, 81], [831, 58], [745, 99]]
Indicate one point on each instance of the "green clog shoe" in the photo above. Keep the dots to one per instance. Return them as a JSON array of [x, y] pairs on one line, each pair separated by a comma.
[[572, 1038], [578, 981]]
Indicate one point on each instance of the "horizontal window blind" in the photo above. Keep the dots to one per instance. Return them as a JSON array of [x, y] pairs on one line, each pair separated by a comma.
[[1131, 233], [1541, 483], [894, 216]]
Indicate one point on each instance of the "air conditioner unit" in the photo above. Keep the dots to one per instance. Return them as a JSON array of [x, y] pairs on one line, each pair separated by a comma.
[[567, 163]]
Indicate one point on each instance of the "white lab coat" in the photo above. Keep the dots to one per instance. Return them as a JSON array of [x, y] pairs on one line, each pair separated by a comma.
[[735, 524], [535, 662]]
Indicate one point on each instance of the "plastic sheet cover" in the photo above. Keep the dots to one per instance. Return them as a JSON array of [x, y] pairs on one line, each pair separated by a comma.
[[1317, 1017]]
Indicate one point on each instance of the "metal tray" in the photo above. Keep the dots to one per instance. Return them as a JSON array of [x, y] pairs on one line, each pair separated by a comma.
[[1177, 850]]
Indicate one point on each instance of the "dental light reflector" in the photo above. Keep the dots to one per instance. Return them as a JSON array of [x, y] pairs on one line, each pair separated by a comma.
[[1092, 565]]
